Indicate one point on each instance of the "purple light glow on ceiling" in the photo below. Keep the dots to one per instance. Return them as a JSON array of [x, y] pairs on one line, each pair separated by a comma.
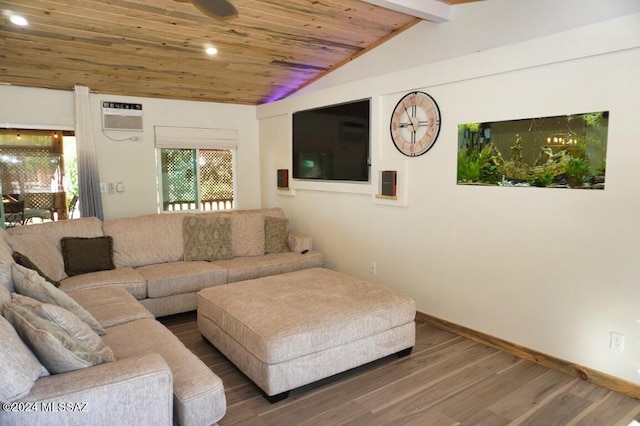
[[283, 91], [305, 73]]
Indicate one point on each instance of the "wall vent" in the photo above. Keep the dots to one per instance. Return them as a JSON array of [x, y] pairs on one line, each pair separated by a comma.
[[121, 116]]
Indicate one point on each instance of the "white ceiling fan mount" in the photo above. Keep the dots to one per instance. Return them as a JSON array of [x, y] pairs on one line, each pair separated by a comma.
[[218, 9], [429, 10]]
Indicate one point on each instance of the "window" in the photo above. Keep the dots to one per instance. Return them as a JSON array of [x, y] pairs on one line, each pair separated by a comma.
[[197, 179], [196, 168]]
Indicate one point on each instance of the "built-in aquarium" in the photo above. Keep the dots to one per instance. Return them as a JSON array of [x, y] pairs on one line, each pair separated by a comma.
[[566, 151]]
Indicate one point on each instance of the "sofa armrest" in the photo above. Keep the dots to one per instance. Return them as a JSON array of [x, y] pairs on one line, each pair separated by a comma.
[[139, 387], [299, 242]]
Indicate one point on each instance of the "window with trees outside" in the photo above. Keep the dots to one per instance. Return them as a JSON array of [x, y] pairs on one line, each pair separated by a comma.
[[196, 168], [197, 179]]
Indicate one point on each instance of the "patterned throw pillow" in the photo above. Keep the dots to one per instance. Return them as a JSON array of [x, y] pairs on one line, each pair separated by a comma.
[[74, 327], [56, 349], [29, 283], [275, 235], [20, 367], [207, 237], [67, 321]]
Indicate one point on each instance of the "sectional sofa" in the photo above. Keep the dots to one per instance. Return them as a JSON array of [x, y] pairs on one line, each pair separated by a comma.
[[123, 273]]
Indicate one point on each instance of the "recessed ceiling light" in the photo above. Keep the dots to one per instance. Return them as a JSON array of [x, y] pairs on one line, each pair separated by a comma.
[[211, 50], [19, 20]]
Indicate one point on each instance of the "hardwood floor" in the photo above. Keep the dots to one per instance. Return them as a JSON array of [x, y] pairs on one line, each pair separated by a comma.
[[447, 380]]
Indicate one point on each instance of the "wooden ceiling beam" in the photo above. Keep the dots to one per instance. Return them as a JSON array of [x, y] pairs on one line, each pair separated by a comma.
[[429, 10]]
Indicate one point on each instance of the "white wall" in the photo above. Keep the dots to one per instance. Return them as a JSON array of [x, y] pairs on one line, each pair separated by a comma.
[[134, 163], [551, 269]]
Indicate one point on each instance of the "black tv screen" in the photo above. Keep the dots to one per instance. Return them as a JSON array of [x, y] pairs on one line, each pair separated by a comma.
[[332, 142]]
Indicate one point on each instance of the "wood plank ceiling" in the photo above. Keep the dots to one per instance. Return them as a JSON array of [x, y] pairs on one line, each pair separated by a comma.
[[155, 48]]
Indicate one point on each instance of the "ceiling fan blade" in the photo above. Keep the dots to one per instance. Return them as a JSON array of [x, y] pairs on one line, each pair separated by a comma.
[[216, 8]]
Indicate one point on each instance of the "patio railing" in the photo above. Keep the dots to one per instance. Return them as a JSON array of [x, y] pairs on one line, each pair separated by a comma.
[[205, 205]]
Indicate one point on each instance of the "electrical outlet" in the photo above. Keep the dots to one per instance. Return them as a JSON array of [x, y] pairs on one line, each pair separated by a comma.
[[372, 268], [617, 342], [112, 187]]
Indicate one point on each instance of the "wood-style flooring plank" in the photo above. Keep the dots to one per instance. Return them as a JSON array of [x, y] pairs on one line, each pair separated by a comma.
[[532, 395], [447, 380]]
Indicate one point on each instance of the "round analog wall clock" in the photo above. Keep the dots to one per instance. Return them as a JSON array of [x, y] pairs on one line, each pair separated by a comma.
[[415, 124]]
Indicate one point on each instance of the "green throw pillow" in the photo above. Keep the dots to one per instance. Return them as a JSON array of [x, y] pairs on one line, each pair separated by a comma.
[[276, 237], [207, 237]]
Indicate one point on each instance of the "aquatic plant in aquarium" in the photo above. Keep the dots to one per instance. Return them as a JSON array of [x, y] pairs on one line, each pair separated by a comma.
[[567, 151]]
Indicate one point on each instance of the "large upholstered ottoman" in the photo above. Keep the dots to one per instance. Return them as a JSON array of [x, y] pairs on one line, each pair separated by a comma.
[[285, 331]]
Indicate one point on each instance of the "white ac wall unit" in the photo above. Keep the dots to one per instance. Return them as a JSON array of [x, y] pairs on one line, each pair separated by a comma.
[[121, 116]]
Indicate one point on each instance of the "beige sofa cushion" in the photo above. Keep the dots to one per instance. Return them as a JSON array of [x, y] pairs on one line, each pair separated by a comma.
[[198, 394], [273, 212], [157, 238], [145, 240], [111, 305], [167, 279], [126, 278], [247, 233], [23, 260], [247, 268], [54, 231], [41, 252]]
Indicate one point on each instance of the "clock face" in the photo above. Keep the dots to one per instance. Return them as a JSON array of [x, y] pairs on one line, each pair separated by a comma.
[[415, 124]]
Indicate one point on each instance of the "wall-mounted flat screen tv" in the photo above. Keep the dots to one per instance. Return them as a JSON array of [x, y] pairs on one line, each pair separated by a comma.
[[332, 142]]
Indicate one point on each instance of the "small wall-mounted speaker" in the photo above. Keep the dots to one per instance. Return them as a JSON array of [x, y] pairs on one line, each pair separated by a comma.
[[389, 182], [283, 178]]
